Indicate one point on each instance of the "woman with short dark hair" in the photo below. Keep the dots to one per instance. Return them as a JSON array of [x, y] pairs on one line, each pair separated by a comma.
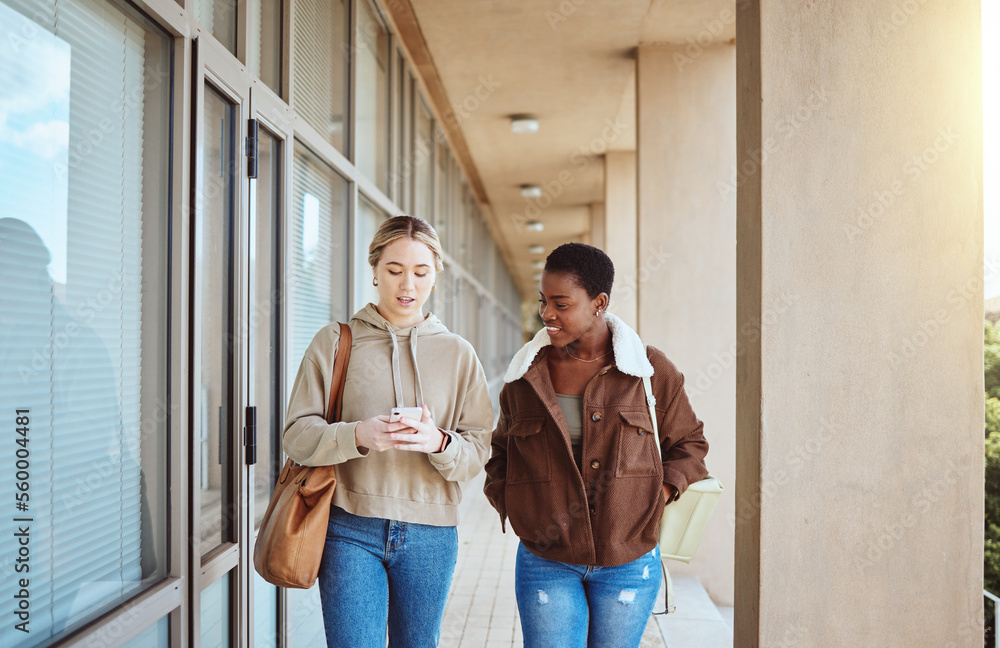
[[575, 468]]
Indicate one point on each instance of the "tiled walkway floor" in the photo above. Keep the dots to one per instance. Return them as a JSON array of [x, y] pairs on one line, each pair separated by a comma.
[[481, 611]]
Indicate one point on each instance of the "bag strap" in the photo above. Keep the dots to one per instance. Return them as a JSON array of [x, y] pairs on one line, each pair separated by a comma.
[[668, 602], [651, 402], [340, 361]]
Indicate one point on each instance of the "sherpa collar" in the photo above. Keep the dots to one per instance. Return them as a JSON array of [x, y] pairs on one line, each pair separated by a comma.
[[630, 352]]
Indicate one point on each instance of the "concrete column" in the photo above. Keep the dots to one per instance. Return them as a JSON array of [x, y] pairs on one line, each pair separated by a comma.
[[860, 377], [597, 225], [686, 243], [620, 231]]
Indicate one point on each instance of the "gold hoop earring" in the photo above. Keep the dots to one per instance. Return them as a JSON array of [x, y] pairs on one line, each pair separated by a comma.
[[375, 282], [434, 287]]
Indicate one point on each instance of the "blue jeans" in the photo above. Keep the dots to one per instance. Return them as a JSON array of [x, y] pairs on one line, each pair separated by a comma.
[[383, 575], [576, 606]]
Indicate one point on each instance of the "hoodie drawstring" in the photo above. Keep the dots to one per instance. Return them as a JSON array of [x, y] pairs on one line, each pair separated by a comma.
[[418, 389], [397, 382]]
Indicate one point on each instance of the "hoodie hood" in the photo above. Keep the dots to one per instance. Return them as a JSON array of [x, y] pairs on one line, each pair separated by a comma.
[[373, 327], [630, 352]]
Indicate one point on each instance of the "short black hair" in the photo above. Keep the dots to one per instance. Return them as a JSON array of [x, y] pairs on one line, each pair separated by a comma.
[[590, 266]]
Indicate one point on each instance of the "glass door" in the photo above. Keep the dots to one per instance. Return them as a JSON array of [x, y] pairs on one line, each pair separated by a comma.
[[242, 130], [220, 246], [267, 139]]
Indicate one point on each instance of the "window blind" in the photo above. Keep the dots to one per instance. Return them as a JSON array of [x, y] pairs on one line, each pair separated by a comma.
[[317, 271], [73, 356], [322, 54]]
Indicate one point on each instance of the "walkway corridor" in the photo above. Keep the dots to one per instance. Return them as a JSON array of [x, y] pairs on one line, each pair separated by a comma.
[[481, 611]]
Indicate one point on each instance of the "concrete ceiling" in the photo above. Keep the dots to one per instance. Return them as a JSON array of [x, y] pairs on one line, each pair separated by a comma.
[[571, 64]]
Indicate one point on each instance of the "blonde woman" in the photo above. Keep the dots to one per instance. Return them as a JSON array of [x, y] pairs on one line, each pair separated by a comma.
[[392, 541]]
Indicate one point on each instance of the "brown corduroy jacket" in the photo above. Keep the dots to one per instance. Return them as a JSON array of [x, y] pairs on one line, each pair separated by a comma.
[[609, 514]]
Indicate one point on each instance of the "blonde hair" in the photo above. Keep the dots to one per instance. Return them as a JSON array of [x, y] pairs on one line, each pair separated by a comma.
[[410, 227]]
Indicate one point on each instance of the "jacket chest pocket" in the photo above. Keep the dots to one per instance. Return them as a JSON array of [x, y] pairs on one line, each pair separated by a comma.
[[528, 452], [637, 456]]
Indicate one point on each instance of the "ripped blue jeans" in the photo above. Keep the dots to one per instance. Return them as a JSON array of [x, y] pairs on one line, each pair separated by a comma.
[[576, 606]]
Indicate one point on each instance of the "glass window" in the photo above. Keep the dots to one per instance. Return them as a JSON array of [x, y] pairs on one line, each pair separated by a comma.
[[215, 212], [218, 17], [265, 612], [369, 219], [322, 60], [84, 138], [423, 163], [403, 163], [318, 262], [265, 320], [372, 101], [266, 18], [215, 614], [305, 618], [155, 636]]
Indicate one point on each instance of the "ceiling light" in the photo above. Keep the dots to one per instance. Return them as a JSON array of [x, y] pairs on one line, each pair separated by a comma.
[[538, 265], [534, 226], [537, 249], [530, 191], [524, 124]]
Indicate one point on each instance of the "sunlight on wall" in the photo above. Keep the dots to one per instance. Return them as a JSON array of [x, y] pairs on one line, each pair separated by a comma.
[[991, 147]]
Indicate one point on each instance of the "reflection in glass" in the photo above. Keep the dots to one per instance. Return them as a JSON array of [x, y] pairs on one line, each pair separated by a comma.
[[369, 219], [215, 614], [317, 270], [266, 17], [423, 162], [83, 289], [403, 162], [322, 59], [212, 258], [265, 613], [305, 622], [264, 318], [372, 97], [218, 17], [155, 636]]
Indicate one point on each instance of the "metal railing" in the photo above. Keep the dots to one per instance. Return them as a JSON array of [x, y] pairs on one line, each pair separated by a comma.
[[996, 608]]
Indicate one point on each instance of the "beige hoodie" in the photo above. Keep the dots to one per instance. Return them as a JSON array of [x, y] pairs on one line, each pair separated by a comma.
[[383, 373]]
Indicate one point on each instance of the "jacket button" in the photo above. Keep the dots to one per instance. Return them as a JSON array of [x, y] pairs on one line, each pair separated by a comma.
[[595, 417], [593, 510], [595, 464], [641, 431]]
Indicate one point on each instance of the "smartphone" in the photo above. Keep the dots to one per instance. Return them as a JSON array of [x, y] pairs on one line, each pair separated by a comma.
[[409, 412]]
